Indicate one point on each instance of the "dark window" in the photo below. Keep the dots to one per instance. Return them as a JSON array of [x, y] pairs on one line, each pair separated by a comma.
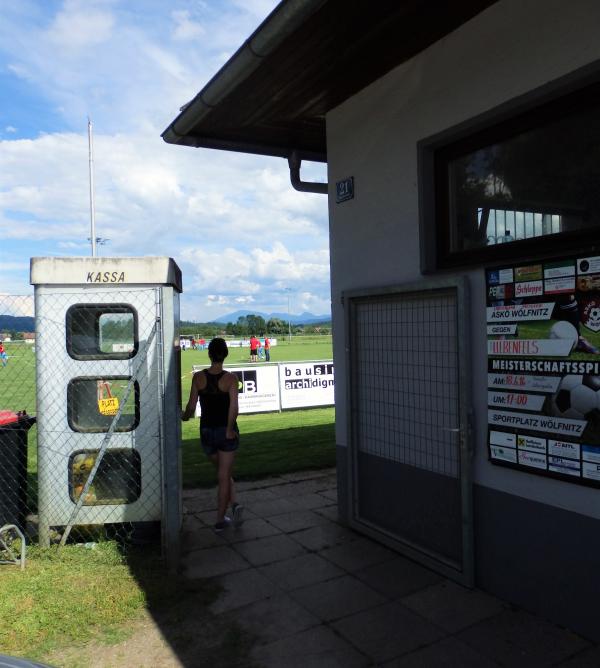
[[522, 186], [118, 479], [92, 403], [102, 331]]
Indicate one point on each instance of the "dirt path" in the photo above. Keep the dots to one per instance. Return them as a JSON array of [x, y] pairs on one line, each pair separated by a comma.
[[145, 648]]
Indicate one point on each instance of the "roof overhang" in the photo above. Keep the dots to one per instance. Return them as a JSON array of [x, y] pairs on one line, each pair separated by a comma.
[[306, 58]]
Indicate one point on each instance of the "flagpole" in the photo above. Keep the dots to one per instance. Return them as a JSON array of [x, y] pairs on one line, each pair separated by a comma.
[[92, 206]]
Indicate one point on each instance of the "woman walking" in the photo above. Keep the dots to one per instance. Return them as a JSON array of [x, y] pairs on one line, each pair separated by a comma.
[[217, 390]]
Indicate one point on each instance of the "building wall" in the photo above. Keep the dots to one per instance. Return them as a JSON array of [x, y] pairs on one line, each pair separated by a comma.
[[373, 137], [507, 51]]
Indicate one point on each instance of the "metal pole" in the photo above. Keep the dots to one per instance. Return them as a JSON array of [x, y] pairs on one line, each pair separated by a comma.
[[289, 320], [92, 207]]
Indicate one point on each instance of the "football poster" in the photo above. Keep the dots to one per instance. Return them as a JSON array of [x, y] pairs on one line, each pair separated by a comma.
[[543, 343]]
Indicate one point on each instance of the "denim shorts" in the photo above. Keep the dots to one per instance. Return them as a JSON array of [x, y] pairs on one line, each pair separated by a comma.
[[213, 439]]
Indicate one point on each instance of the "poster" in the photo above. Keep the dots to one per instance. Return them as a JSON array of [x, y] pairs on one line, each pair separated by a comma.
[[543, 343]]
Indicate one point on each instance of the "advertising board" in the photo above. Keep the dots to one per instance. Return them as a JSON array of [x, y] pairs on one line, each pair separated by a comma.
[[304, 384], [274, 387], [543, 342]]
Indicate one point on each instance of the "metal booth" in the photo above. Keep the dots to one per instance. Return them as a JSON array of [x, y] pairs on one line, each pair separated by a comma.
[[108, 397]]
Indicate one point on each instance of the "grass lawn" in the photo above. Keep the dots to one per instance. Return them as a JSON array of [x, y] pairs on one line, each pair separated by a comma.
[[271, 443], [68, 598]]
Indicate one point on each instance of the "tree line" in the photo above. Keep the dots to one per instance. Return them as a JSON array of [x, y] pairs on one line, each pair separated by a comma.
[[247, 325]]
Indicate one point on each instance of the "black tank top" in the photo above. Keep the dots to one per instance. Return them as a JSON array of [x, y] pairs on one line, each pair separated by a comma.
[[213, 402]]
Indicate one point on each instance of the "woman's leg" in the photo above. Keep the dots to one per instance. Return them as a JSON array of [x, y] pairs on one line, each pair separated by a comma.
[[225, 492]]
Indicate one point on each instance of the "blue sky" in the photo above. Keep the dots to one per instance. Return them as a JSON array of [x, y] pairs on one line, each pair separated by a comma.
[[242, 236]]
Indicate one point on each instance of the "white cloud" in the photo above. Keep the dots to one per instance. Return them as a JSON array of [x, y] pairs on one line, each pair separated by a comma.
[[10, 129], [239, 231], [185, 28], [80, 26]]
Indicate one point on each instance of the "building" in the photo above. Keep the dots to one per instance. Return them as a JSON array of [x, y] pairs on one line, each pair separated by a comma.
[[462, 143]]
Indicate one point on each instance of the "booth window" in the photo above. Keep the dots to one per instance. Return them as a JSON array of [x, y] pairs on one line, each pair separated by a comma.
[[117, 480], [93, 402], [102, 331], [525, 185]]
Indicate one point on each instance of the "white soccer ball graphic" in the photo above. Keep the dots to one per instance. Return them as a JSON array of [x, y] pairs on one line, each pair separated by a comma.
[[594, 314], [564, 330], [577, 397]]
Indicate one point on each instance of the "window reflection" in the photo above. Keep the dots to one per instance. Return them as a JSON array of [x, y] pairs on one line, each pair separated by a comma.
[[543, 181]]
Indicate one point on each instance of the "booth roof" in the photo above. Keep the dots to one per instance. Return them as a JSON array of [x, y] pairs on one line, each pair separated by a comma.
[[306, 58]]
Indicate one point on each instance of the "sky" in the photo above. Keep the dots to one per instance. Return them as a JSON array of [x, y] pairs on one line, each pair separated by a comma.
[[242, 236]]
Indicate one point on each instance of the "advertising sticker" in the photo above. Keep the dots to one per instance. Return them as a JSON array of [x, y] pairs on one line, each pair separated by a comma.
[[503, 454], [531, 443], [544, 376]]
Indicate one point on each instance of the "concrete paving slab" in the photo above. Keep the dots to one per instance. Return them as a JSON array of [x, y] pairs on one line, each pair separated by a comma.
[[212, 561], [453, 607], [397, 577], [301, 571], [268, 550], [446, 653], [199, 539], [330, 494], [330, 512], [358, 554], [589, 658], [209, 517], [313, 486], [275, 506], [200, 502], [297, 520], [324, 536], [274, 618], [517, 638], [288, 490], [250, 530], [310, 501], [309, 475], [337, 598], [315, 648], [246, 485], [387, 631], [241, 589], [253, 496]]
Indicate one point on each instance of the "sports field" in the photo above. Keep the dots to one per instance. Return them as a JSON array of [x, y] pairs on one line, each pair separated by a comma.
[[271, 443]]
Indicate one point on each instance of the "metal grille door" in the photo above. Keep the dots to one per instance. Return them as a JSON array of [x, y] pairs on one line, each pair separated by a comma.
[[410, 480]]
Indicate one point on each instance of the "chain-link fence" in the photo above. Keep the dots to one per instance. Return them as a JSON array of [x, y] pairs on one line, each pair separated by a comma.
[[81, 424]]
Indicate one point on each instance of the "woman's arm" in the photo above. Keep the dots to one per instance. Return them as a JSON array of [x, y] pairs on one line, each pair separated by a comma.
[[190, 409], [233, 406]]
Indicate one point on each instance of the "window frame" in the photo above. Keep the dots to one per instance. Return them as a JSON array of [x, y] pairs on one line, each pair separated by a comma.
[[111, 451], [101, 309], [92, 430], [573, 92]]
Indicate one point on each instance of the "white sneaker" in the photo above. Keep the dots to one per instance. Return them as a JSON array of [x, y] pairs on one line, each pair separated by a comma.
[[220, 526]]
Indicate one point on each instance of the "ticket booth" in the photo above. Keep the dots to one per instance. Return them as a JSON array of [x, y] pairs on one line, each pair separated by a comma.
[[108, 396]]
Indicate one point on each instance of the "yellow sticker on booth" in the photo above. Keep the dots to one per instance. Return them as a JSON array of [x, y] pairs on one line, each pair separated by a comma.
[[108, 406]]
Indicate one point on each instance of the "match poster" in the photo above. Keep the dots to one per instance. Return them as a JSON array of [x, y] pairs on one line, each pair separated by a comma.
[[543, 342]]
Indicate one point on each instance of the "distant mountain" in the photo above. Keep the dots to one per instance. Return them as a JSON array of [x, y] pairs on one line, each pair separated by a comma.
[[302, 319], [11, 323]]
